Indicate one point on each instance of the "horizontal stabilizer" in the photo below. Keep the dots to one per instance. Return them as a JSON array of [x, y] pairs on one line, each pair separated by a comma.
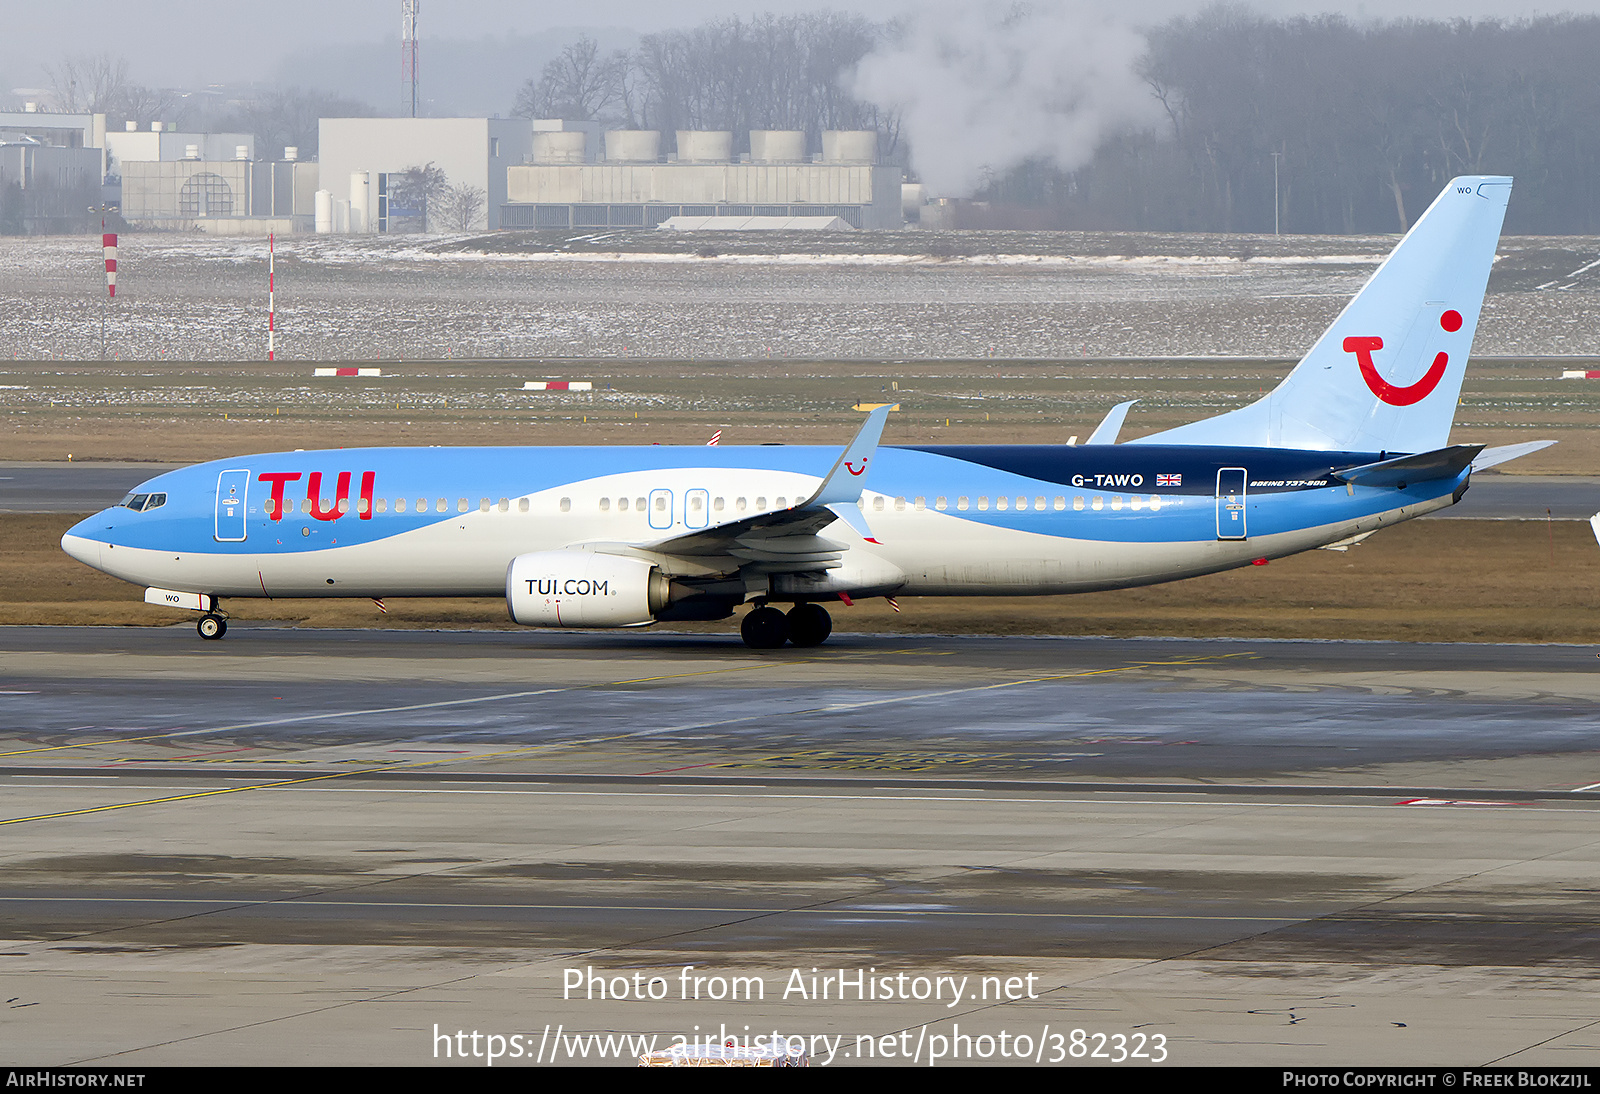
[[1442, 463], [1504, 453], [1106, 432]]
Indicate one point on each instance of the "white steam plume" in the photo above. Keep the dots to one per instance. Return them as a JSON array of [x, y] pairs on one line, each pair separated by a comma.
[[982, 87]]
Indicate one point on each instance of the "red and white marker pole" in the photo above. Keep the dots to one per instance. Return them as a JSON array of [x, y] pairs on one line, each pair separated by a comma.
[[108, 244], [108, 247], [272, 256]]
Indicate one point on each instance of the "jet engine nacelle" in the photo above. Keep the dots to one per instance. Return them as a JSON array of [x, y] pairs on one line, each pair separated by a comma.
[[583, 589]]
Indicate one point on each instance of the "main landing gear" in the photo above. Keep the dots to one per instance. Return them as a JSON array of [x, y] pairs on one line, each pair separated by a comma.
[[805, 625], [212, 626]]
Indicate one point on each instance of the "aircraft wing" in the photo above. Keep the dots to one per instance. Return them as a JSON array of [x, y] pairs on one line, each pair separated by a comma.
[[786, 540]]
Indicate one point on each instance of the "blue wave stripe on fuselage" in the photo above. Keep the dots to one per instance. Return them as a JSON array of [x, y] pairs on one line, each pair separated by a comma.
[[1185, 478]]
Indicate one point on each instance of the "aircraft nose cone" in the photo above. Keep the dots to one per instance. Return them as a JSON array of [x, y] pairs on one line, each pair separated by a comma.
[[80, 543]]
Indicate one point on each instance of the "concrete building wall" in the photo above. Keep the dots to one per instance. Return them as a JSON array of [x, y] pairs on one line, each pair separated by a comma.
[[875, 189], [680, 183], [48, 188], [185, 193], [473, 151]]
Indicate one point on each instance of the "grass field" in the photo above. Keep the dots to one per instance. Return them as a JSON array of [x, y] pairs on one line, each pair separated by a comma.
[[182, 413], [1427, 580]]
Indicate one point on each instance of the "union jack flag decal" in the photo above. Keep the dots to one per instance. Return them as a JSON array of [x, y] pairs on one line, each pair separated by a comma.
[[1169, 480]]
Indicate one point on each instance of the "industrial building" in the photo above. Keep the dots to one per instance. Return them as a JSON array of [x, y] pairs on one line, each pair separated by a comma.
[[43, 127], [629, 184], [358, 155], [221, 197], [51, 170], [160, 142]]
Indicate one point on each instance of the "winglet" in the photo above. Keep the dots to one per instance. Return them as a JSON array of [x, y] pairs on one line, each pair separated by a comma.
[[1106, 432], [842, 485]]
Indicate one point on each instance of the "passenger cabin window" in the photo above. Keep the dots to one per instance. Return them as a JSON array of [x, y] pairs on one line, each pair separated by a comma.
[[522, 505], [383, 505], [983, 502], [505, 505], [877, 504], [605, 505], [1001, 504], [961, 502], [566, 505], [942, 503], [399, 505], [622, 505]]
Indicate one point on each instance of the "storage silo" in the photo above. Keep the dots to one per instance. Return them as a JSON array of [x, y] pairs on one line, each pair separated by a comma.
[[849, 146], [777, 146], [705, 146], [633, 146]]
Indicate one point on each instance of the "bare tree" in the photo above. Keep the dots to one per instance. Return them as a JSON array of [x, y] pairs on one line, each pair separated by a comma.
[[578, 85], [414, 194], [460, 207], [88, 84], [290, 117], [144, 105]]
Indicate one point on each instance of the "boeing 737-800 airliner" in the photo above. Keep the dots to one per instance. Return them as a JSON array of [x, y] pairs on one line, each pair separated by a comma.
[[1354, 439]]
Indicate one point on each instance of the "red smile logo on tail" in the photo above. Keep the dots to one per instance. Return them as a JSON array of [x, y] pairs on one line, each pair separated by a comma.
[[1383, 389]]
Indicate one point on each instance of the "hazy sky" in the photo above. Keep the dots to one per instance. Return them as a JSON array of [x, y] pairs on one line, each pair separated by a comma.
[[195, 42]]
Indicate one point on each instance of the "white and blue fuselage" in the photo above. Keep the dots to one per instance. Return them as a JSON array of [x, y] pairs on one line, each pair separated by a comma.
[[948, 520]]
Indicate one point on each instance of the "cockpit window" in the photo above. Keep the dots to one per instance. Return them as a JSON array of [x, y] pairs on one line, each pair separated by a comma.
[[156, 501], [136, 501], [143, 502]]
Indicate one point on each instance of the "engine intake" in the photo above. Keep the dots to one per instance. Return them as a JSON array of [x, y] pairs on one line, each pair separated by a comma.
[[582, 589]]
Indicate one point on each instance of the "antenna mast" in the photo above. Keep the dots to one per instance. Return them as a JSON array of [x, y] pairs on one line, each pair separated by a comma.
[[408, 49]]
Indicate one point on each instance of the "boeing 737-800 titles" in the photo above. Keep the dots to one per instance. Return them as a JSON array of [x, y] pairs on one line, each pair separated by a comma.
[[1354, 439]]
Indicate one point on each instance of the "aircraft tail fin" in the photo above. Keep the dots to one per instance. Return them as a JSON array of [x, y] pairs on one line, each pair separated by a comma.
[[1387, 374]]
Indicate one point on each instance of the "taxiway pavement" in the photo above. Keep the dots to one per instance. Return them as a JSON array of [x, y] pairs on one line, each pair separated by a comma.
[[330, 846]]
